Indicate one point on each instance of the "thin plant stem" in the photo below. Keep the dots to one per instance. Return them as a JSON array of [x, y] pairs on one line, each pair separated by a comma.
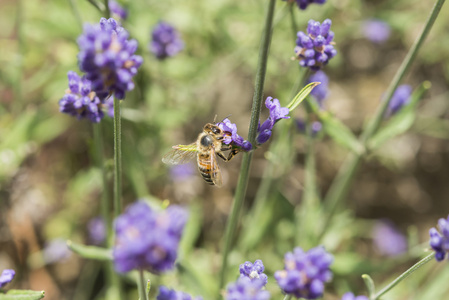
[[95, 4], [247, 157], [141, 286], [343, 180], [404, 275], [76, 13], [288, 297], [18, 101], [117, 158], [107, 12]]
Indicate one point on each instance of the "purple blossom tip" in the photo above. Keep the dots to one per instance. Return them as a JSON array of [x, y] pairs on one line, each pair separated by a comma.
[[439, 240], [97, 230], [350, 296], [276, 113], [168, 294], [254, 271], [246, 289], [231, 137], [400, 98], [302, 4], [146, 239], [166, 41], [315, 49], [376, 31], [6, 277], [302, 127], [117, 11], [305, 273], [319, 92], [388, 239]]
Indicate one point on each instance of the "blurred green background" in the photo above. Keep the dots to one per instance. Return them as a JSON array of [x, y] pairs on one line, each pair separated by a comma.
[[50, 187]]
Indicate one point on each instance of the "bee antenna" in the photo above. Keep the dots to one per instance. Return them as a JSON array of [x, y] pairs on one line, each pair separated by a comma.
[[226, 117], [215, 118]]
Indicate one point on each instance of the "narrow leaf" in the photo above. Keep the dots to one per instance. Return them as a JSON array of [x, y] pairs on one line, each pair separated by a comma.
[[369, 285], [402, 121], [302, 95], [148, 289], [91, 252], [22, 295]]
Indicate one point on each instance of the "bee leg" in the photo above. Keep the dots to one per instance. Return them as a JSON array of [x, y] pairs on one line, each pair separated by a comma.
[[222, 156], [232, 154]]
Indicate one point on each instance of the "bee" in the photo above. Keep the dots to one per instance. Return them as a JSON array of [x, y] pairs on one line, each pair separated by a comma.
[[208, 145]]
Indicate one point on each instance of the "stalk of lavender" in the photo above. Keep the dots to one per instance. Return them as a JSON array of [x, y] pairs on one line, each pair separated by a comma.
[[341, 183], [107, 11], [117, 158], [247, 157], [18, 92]]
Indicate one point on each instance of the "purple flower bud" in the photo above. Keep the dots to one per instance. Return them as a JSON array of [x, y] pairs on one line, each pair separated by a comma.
[[302, 4], [388, 240], [56, 250], [168, 294], [350, 296], [439, 241], [376, 31], [316, 127], [231, 136], [246, 289], [97, 230], [400, 98], [254, 271], [117, 11], [320, 91], [305, 273], [165, 41], [6, 277]]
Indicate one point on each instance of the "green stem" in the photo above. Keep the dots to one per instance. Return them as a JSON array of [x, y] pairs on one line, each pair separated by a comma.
[[141, 286], [343, 180], [18, 91], [288, 297], [117, 158], [404, 275], [77, 14], [107, 12], [95, 4], [247, 157]]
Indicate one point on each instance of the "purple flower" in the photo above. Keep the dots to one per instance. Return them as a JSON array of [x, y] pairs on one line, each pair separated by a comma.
[[254, 271], [97, 230], [316, 127], [302, 4], [315, 49], [165, 41], [167, 294], [320, 91], [117, 11], [56, 250], [350, 296], [146, 239], [107, 57], [6, 277], [80, 101], [400, 98], [109, 104], [376, 31], [232, 137], [388, 239], [182, 172], [305, 272], [246, 289], [276, 113], [439, 241]]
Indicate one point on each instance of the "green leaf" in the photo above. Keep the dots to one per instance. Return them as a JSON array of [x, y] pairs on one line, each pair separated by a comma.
[[22, 295], [338, 131], [369, 285], [91, 252], [148, 288], [400, 122], [302, 95]]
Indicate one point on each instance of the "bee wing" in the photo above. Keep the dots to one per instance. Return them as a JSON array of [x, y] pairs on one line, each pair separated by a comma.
[[215, 169], [180, 154]]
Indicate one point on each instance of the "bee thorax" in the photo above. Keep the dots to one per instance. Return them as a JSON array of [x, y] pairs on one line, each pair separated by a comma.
[[206, 140]]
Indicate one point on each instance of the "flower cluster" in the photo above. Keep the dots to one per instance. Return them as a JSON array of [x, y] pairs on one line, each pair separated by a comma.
[[305, 272], [350, 296], [376, 31], [276, 113], [97, 230], [246, 289], [80, 101], [168, 294], [146, 239], [400, 98], [231, 137], [254, 271], [319, 92], [117, 11], [107, 57], [6, 277], [388, 239], [165, 41], [315, 49], [302, 4], [302, 127], [439, 241]]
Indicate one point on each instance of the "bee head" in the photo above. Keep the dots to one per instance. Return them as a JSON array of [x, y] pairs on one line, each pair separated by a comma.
[[212, 129]]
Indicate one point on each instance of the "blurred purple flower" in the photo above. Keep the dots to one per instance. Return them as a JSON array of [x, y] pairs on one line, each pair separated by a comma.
[[107, 57], [316, 127], [165, 41], [246, 289], [232, 137], [117, 11], [168, 294], [388, 239], [302, 4], [254, 271], [350, 296], [109, 105], [97, 230], [182, 172], [80, 101], [400, 98], [315, 49], [305, 272], [376, 31], [146, 239], [320, 91], [439, 241], [56, 250], [276, 113], [6, 277]]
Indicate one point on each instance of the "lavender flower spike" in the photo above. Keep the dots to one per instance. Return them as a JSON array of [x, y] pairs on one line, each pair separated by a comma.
[[254, 271], [246, 289], [400, 98], [6, 277], [276, 113], [315, 49], [231, 137], [107, 57], [166, 41], [350, 296], [168, 294], [146, 239], [305, 273], [439, 241], [302, 4]]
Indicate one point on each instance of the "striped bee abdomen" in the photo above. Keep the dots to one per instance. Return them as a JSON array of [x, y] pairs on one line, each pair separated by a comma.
[[206, 168]]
